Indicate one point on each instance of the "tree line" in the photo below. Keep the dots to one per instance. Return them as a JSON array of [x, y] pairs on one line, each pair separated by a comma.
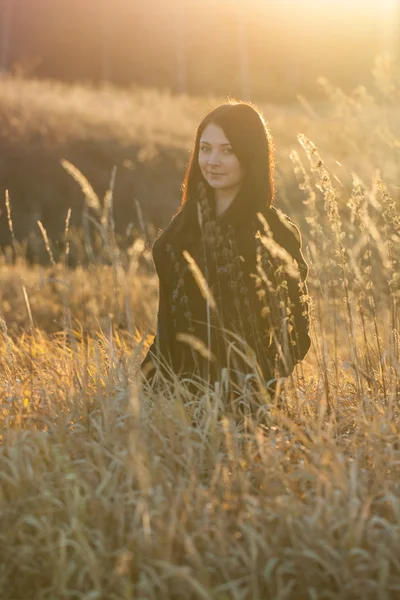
[[252, 49]]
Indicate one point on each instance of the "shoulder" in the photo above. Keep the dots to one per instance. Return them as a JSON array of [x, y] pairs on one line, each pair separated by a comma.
[[172, 240], [159, 254], [284, 230], [165, 235], [288, 235], [286, 223], [159, 247]]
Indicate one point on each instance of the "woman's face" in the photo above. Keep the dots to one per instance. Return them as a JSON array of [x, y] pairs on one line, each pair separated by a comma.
[[218, 163]]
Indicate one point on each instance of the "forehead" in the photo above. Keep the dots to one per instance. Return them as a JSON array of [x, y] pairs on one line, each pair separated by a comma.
[[214, 134]]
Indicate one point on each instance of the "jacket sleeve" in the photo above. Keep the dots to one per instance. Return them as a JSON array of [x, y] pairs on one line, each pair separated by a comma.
[[280, 298], [298, 296], [159, 353], [293, 333]]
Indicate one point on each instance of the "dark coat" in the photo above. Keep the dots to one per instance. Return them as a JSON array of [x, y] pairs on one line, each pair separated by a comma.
[[260, 296]]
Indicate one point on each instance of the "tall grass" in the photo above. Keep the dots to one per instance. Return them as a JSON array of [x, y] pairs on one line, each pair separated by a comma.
[[111, 491]]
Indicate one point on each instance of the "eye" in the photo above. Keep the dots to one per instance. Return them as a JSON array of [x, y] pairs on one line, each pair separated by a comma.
[[225, 150]]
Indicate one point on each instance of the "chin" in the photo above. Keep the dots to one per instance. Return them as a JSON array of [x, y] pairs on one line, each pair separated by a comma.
[[217, 184]]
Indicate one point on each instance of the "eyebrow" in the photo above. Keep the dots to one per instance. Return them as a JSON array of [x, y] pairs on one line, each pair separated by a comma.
[[208, 144]]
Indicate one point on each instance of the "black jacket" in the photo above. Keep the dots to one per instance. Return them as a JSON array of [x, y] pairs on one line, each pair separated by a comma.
[[255, 285]]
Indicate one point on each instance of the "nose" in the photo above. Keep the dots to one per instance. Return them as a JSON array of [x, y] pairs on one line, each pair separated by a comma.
[[214, 159]]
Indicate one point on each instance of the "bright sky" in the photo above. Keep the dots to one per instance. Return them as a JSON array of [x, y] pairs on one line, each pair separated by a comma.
[[380, 16], [366, 5], [379, 9], [374, 11]]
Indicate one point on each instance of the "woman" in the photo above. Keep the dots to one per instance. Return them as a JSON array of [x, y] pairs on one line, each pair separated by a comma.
[[232, 292]]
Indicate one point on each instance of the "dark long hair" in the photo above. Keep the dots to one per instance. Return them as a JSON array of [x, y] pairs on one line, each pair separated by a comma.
[[251, 141]]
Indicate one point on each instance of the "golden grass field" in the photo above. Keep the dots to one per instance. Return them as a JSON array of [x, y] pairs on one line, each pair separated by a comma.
[[110, 492]]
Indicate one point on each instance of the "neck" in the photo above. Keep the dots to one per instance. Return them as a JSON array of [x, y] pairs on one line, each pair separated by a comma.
[[224, 198]]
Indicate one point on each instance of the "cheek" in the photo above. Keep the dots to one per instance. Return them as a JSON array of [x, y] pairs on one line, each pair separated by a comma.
[[202, 161]]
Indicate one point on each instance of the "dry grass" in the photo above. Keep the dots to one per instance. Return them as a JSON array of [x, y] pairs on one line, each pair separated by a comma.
[[109, 491]]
